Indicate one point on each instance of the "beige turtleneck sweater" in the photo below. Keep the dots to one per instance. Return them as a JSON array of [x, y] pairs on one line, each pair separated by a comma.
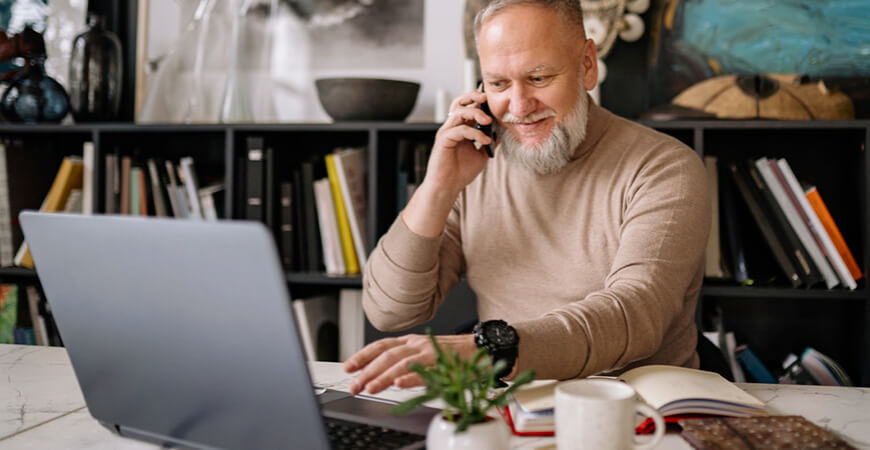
[[598, 266]]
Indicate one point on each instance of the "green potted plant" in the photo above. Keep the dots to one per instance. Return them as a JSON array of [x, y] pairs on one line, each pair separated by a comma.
[[467, 388]]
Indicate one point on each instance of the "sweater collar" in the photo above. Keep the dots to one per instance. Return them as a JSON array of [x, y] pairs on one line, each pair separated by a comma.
[[599, 119]]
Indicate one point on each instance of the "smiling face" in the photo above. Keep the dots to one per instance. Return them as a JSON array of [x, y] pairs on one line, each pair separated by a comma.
[[536, 68]]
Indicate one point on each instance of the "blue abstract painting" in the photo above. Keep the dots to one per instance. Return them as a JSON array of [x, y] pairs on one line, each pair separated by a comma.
[[697, 39]]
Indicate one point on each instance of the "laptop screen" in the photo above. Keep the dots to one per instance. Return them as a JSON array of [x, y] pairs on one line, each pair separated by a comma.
[[178, 330]]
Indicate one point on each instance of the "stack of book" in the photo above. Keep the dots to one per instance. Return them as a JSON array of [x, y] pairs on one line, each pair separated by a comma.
[[320, 219], [797, 227]]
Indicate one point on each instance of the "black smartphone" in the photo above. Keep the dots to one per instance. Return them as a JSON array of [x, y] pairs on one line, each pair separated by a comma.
[[487, 129]]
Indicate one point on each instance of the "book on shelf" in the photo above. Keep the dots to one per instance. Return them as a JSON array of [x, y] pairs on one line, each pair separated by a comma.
[[330, 240], [796, 193], [175, 192], [797, 253], [815, 200], [753, 200], [254, 180], [350, 165], [191, 187], [775, 182], [713, 252], [135, 197], [317, 319], [351, 323], [311, 171], [124, 193], [823, 369], [735, 248], [8, 312], [286, 231], [300, 223], [676, 392], [727, 344], [6, 244], [210, 199], [89, 162], [158, 192], [68, 177], [348, 250], [753, 365]]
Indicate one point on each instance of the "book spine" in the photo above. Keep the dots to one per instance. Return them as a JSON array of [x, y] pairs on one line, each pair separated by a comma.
[[770, 236], [126, 165], [802, 262], [191, 186], [156, 189], [6, 247], [736, 250], [331, 242], [314, 255], [713, 253], [300, 224], [815, 200], [287, 237], [110, 190], [254, 178], [350, 166], [753, 365], [135, 199], [815, 225], [347, 247], [88, 158], [773, 177]]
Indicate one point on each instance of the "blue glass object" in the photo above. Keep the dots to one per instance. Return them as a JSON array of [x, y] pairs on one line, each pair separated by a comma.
[[34, 97]]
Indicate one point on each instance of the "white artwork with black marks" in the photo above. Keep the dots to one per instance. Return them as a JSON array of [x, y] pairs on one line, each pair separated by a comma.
[[367, 34]]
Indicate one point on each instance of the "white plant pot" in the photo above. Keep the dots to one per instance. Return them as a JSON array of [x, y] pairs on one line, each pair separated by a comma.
[[490, 435]]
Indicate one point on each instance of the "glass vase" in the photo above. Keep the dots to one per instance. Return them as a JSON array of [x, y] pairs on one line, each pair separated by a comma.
[[34, 97], [95, 71]]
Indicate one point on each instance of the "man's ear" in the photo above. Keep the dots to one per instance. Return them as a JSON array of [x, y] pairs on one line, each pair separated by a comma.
[[590, 65]]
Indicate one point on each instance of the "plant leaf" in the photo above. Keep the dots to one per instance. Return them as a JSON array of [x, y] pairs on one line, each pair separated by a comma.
[[412, 404]]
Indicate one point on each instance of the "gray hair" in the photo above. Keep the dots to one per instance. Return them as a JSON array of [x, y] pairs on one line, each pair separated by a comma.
[[567, 10]]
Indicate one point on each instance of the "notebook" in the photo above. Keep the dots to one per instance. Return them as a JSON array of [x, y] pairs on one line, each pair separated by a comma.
[[676, 392], [182, 333]]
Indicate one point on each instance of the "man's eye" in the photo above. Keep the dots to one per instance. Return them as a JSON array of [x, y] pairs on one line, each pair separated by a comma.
[[539, 80]]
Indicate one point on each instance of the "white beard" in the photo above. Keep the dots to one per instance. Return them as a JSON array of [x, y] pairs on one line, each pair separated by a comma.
[[556, 151]]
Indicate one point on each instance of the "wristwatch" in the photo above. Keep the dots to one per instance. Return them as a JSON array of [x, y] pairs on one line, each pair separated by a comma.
[[500, 340]]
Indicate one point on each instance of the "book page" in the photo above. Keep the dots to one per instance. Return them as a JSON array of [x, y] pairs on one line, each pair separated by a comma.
[[659, 385]]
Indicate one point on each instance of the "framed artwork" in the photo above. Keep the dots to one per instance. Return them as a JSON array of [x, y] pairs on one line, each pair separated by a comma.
[[693, 40]]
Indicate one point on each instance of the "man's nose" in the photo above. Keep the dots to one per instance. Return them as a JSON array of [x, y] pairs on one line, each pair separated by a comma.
[[522, 103]]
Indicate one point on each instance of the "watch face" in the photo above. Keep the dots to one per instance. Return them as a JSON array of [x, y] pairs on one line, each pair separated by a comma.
[[501, 335]]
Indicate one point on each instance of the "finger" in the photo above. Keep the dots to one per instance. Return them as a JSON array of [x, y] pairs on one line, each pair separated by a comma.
[[399, 369], [467, 99], [363, 357], [465, 115], [452, 136], [379, 365], [409, 380]]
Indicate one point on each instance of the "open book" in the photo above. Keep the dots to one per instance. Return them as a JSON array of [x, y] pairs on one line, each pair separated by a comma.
[[677, 392]]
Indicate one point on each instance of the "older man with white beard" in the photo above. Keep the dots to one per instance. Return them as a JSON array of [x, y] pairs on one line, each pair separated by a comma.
[[583, 238]]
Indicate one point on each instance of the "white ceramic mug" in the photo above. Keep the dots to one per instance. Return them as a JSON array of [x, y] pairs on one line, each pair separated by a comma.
[[601, 414]]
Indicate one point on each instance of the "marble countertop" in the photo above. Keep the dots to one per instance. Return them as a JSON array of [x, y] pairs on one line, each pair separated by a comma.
[[43, 406]]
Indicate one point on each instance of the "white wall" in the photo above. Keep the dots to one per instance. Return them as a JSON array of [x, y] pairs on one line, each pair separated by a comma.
[[443, 47]]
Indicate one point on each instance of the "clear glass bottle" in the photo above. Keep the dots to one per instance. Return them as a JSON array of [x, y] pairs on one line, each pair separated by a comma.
[[95, 71]]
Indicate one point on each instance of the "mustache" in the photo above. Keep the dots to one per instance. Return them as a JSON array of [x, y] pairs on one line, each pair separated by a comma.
[[531, 118]]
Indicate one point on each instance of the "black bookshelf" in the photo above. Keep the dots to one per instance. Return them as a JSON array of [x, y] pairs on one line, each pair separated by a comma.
[[771, 318]]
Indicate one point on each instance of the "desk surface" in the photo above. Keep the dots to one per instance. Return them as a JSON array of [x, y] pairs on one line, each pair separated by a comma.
[[44, 408]]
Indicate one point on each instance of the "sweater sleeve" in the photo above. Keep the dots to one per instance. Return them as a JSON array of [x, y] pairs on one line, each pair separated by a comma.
[[408, 275], [662, 236]]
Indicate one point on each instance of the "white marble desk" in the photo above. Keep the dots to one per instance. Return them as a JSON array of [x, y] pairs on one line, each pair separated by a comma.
[[44, 408]]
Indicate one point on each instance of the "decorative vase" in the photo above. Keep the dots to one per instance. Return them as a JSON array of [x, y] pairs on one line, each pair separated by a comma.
[[490, 435], [33, 96], [95, 70]]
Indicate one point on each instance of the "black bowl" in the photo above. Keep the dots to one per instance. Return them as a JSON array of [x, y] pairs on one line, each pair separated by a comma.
[[367, 98]]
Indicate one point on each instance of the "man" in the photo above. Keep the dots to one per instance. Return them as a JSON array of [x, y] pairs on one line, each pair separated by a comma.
[[585, 233]]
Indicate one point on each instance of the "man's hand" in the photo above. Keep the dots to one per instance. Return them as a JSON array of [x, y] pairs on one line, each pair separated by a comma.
[[387, 362], [453, 164]]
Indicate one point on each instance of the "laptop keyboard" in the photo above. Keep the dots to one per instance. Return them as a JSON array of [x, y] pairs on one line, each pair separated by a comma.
[[350, 435]]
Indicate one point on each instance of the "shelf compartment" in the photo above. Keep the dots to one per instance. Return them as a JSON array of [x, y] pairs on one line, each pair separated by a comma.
[[782, 293]]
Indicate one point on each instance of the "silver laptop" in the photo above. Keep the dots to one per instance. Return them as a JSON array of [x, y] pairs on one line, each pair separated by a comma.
[[181, 333]]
